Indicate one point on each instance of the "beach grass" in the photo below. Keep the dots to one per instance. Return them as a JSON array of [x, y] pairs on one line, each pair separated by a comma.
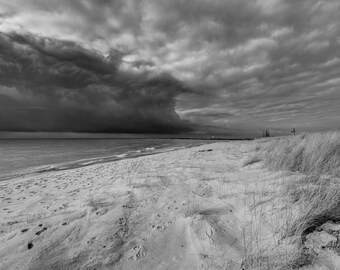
[[315, 153], [311, 194], [317, 157]]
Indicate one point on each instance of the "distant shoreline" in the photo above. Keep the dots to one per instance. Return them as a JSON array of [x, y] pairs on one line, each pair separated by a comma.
[[132, 138]]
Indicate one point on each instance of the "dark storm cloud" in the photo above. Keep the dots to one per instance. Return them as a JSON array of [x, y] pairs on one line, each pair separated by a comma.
[[54, 85], [254, 63]]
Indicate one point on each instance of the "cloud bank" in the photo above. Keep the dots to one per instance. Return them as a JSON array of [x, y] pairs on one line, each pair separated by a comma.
[[51, 85], [217, 65]]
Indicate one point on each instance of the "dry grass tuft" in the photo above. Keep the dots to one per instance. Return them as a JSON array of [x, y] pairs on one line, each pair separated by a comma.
[[303, 257], [313, 195], [253, 157], [317, 198], [317, 153], [251, 160], [316, 204]]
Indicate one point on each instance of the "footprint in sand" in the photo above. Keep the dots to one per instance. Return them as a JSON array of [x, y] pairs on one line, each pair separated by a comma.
[[102, 212], [160, 228], [122, 221], [41, 231], [137, 252], [92, 240]]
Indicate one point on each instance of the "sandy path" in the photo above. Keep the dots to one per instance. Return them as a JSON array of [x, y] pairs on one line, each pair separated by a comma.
[[185, 209]]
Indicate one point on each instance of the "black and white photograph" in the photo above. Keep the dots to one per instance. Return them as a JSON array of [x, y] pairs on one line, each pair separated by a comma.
[[169, 134]]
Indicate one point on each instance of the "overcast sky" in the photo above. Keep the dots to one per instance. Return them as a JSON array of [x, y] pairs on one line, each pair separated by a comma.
[[167, 66]]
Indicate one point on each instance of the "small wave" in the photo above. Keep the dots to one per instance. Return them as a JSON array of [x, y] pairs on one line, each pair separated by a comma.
[[121, 155], [89, 162]]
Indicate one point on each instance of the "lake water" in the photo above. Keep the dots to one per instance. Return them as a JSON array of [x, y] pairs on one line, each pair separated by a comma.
[[22, 156]]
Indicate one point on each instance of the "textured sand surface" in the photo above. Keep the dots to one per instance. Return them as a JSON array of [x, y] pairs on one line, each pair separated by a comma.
[[196, 208]]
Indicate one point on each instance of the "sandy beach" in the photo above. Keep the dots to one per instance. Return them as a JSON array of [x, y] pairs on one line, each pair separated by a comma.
[[195, 208], [169, 135]]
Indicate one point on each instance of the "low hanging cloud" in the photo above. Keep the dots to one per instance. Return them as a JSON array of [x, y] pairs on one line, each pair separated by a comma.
[[52, 85], [226, 64]]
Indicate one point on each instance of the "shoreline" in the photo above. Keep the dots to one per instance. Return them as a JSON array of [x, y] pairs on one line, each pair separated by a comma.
[[131, 138], [91, 161]]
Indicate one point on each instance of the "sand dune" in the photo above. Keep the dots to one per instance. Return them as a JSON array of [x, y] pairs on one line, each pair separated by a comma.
[[187, 209]]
